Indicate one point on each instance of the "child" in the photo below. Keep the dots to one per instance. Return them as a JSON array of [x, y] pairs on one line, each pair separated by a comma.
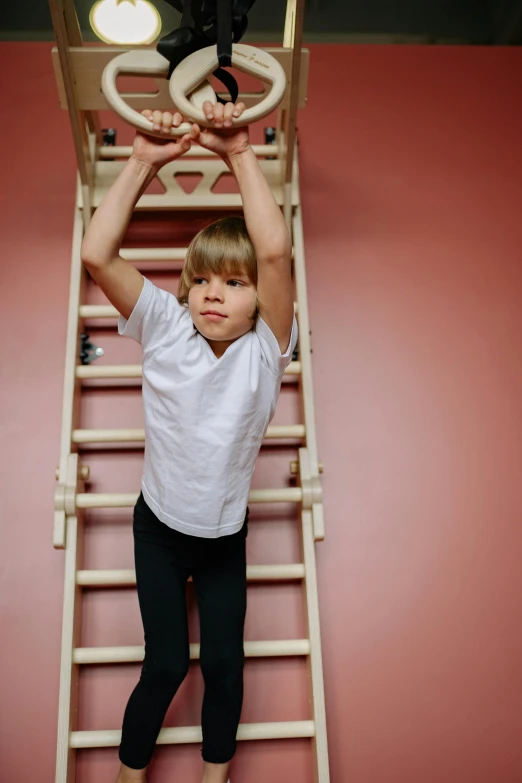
[[213, 359]]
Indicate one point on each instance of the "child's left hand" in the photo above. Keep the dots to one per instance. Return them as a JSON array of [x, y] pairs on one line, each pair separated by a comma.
[[222, 139]]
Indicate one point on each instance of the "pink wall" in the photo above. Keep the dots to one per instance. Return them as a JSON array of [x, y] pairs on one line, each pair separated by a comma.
[[411, 185]]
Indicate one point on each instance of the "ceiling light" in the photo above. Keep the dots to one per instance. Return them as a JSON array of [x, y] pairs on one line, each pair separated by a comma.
[[125, 21]]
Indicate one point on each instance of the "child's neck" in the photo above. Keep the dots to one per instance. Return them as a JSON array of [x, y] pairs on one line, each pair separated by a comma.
[[219, 347]]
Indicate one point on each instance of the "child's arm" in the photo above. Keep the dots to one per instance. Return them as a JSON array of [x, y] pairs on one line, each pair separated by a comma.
[[265, 223], [269, 234], [120, 281]]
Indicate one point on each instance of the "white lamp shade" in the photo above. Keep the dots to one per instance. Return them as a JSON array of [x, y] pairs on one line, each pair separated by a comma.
[[125, 21]]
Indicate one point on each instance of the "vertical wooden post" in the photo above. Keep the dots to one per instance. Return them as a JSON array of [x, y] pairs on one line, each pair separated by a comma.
[[69, 671], [320, 766], [71, 384], [74, 35], [293, 38], [62, 15], [307, 389]]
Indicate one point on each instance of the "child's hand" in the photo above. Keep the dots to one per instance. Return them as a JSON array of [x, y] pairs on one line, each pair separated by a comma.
[[223, 139], [155, 151]]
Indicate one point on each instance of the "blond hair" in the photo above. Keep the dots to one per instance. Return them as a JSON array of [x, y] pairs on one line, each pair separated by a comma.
[[223, 247]]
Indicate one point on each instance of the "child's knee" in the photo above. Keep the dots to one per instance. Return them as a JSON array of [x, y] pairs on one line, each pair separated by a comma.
[[165, 672], [220, 665]]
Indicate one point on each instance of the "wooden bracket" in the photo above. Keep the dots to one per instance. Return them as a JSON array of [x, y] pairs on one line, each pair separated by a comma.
[[310, 485], [71, 480], [294, 467], [312, 490]]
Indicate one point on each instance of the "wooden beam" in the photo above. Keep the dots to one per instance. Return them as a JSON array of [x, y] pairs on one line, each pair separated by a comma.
[[87, 65], [60, 18]]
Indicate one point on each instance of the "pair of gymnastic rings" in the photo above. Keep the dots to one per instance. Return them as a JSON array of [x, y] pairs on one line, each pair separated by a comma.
[[189, 86]]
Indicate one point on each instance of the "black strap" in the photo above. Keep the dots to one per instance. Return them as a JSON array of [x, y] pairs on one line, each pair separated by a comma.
[[204, 23], [226, 78]]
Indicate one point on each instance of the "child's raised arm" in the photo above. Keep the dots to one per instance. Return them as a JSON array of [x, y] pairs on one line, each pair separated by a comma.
[[265, 222], [120, 281]]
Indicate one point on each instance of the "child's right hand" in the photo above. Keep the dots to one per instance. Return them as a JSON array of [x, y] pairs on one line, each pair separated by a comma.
[[157, 152]]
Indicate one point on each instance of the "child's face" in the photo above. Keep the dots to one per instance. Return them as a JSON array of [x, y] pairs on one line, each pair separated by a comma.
[[232, 297]]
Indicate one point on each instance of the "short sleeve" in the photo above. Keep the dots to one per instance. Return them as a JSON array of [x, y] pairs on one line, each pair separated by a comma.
[[155, 316], [276, 361]]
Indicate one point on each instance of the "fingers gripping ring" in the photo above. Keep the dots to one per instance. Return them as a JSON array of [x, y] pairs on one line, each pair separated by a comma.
[[197, 66], [144, 62], [189, 87]]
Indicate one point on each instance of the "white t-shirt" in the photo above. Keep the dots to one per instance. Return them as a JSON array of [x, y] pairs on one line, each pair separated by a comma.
[[205, 418]]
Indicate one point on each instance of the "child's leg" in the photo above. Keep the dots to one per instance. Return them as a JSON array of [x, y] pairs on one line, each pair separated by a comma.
[[220, 586], [161, 584]]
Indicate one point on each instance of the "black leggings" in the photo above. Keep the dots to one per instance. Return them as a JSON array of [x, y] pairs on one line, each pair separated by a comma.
[[165, 559]]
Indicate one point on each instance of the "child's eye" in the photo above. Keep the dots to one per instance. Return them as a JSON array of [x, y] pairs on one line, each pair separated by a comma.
[[198, 280], [235, 283]]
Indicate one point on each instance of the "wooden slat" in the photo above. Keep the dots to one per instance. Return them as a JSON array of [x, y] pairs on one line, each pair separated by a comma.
[[90, 371], [87, 65], [192, 734], [202, 197], [126, 577], [262, 649], [138, 435]]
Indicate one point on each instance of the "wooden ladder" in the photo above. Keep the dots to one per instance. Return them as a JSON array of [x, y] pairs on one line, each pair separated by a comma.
[[78, 73]]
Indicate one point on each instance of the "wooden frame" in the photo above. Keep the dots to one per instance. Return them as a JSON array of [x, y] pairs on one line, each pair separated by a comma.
[[78, 72]]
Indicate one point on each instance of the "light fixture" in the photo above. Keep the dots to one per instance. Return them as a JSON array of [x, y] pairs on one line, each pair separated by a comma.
[[125, 21]]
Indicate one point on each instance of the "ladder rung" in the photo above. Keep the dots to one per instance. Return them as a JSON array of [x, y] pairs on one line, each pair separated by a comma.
[[108, 311], [153, 253], [262, 150], [137, 435], [98, 311], [126, 499], [87, 371], [126, 577], [189, 734], [263, 649]]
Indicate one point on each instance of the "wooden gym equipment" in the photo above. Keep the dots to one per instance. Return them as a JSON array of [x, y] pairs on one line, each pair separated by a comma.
[[79, 71], [189, 78]]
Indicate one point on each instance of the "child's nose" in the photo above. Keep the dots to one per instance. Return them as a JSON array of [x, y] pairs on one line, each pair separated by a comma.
[[215, 290]]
